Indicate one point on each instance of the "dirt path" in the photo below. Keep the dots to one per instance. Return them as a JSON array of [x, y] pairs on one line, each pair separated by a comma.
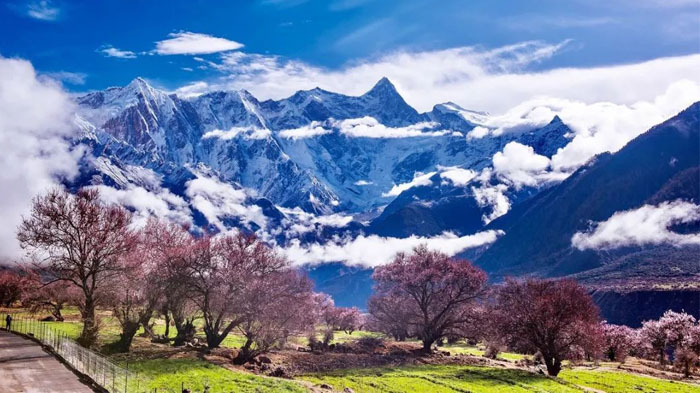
[[26, 367]]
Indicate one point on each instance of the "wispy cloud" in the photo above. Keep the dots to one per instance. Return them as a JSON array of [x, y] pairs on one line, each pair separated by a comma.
[[539, 22], [110, 51], [647, 225], [43, 10], [72, 78], [188, 43], [342, 5]]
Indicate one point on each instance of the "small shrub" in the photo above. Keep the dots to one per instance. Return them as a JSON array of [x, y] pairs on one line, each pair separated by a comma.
[[370, 343]]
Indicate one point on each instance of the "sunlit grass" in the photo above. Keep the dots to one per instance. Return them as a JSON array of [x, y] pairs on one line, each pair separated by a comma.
[[172, 374], [439, 379], [621, 382]]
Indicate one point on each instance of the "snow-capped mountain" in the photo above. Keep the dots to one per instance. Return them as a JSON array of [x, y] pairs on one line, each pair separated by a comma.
[[315, 153]]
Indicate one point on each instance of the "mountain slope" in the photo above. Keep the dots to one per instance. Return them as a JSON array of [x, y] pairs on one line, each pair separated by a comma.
[[538, 232]]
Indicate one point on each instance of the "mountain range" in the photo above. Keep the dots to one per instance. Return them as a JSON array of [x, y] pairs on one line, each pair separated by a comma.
[[320, 166]]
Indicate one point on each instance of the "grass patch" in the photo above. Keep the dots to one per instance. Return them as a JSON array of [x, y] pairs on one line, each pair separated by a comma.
[[476, 379], [440, 379], [170, 375], [621, 382]]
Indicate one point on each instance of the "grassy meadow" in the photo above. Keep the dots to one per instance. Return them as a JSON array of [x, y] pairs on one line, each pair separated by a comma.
[[168, 370]]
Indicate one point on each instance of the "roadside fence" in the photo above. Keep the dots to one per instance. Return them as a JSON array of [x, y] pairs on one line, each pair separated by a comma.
[[105, 373]]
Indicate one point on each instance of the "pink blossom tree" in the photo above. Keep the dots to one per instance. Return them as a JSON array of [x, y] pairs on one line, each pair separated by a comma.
[[438, 291], [82, 240], [653, 339], [170, 246], [557, 318], [50, 296], [619, 341], [135, 295], [12, 287], [389, 315], [337, 318], [668, 332], [274, 307], [221, 272]]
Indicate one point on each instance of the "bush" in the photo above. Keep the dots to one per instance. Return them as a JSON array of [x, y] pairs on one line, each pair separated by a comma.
[[370, 343]]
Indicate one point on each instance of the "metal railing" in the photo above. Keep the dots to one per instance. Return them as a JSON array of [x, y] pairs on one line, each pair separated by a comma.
[[110, 376]]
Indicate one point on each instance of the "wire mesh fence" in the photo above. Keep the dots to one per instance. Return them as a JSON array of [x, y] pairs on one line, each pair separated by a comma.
[[107, 374]]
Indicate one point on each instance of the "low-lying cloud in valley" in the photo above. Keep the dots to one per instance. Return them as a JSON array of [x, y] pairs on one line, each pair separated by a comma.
[[647, 225], [371, 251]]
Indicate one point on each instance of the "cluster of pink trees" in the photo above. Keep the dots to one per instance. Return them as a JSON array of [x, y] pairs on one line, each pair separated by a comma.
[[674, 338], [232, 282], [430, 296], [332, 319], [93, 257]]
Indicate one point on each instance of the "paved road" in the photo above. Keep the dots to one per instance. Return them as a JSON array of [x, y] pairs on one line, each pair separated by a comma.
[[25, 367]]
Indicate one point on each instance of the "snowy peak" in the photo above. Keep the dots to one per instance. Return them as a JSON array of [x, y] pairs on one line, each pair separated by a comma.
[[383, 88]]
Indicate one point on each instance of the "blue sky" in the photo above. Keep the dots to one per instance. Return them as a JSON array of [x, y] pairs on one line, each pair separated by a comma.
[[71, 40]]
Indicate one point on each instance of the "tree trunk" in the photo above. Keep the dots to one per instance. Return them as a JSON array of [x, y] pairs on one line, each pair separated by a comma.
[[127, 336], [214, 338], [166, 314], [185, 332], [88, 337], [553, 365], [56, 313], [244, 354], [428, 345]]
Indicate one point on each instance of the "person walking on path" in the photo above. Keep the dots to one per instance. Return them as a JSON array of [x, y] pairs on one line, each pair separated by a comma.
[[8, 322]]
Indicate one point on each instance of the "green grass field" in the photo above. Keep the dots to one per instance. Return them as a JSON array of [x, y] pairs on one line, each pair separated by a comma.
[[170, 374], [453, 379]]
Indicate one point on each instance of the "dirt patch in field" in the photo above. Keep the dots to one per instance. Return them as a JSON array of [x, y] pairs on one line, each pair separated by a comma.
[[302, 361]]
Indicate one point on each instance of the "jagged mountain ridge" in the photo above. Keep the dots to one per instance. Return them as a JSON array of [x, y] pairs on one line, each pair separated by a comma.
[[256, 145]]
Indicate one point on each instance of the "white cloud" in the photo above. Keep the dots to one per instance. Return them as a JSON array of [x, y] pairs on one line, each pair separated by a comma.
[[187, 43], [110, 51], [35, 119], [233, 132], [363, 183], [308, 131], [493, 79], [493, 196], [369, 127], [162, 204], [419, 179], [216, 200], [460, 177], [478, 132], [647, 225], [374, 251], [597, 127], [519, 164], [43, 10], [299, 221]]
